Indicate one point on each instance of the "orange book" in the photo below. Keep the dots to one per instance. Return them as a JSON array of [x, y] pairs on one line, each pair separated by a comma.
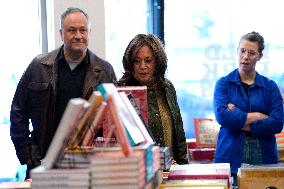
[[95, 101], [120, 131], [90, 132]]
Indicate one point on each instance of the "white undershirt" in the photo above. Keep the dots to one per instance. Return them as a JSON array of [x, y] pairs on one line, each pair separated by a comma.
[[73, 65]]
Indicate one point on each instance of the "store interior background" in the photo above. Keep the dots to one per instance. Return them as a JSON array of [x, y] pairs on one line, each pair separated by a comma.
[[200, 37]]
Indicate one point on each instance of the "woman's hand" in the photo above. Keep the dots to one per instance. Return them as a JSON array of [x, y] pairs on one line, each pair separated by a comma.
[[231, 106]]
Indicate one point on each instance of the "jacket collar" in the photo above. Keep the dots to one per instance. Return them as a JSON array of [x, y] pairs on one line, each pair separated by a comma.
[[234, 77], [92, 78]]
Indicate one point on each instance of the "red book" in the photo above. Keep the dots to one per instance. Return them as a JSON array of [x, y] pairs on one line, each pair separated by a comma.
[[200, 171], [187, 174], [137, 120], [138, 98], [201, 154]]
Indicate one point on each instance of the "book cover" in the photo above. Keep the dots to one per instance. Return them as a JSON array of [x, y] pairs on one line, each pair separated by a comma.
[[138, 98], [131, 124], [57, 178], [192, 186], [258, 182], [263, 170], [15, 185], [206, 131], [120, 131], [71, 117], [201, 154], [95, 101], [120, 115], [189, 175], [204, 168], [88, 136], [118, 174], [137, 121]]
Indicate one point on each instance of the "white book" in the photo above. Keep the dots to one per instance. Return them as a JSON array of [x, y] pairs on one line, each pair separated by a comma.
[[137, 122], [118, 168], [128, 174], [124, 116], [69, 121], [60, 187]]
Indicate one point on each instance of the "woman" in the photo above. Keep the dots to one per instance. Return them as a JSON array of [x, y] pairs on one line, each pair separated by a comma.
[[145, 63], [249, 108]]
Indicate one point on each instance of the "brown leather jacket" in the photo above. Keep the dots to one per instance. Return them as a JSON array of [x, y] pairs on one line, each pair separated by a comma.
[[34, 100]]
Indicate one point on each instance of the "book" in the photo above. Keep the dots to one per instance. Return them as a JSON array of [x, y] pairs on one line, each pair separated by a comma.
[[71, 117], [118, 174], [189, 175], [58, 174], [138, 98], [120, 131], [262, 170], [192, 186], [206, 131], [88, 138], [133, 129], [121, 118], [119, 181], [57, 178], [203, 168], [15, 185], [137, 121], [201, 154], [261, 176], [95, 101]]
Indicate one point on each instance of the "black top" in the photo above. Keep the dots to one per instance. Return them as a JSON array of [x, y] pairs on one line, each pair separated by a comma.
[[70, 84]]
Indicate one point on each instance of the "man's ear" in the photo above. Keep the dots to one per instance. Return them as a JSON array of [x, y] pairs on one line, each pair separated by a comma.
[[61, 34], [259, 56]]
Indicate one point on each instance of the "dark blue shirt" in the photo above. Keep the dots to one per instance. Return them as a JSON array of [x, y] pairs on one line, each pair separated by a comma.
[[262, 96]]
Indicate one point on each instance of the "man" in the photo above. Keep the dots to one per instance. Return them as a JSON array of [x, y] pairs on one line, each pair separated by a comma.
[[49, 82]]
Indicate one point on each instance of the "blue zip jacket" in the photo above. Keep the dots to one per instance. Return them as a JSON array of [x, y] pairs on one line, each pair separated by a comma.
[[263, 96]]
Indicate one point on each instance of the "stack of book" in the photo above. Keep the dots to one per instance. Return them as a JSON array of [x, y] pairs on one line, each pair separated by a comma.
[[261, 176], [165, 158], [156, 159], [60, 178], [76, 159], [199, 175], [202, 147], [280, 145], [113, 170], [199, 154]]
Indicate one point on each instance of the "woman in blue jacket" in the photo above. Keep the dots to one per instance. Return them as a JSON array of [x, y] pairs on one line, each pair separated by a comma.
[[249, 108]]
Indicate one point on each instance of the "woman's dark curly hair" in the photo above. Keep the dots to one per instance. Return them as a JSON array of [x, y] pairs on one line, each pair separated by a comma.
[[158, 51], [254, 37]]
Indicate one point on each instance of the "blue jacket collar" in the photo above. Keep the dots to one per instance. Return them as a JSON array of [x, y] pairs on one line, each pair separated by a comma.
[[234, 77]]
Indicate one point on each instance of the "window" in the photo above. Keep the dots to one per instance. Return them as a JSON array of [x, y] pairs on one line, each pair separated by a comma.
[[201, 39], [124, 20], [20, 33]]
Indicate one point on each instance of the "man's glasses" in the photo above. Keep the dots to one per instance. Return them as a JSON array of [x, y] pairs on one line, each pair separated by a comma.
[[251, 53]]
